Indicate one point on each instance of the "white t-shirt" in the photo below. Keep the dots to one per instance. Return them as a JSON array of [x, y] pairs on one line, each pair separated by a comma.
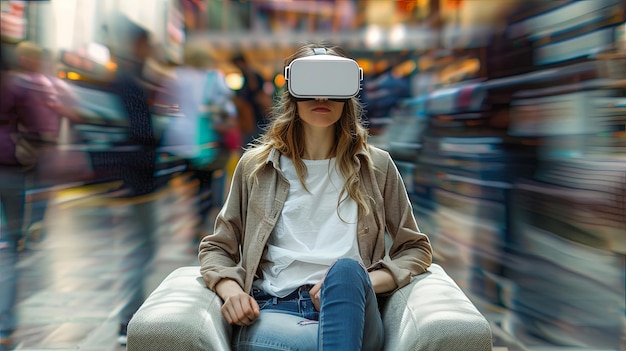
[[310, 234]]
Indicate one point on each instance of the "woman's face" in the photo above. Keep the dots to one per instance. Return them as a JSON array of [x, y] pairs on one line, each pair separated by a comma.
[[320, 112]]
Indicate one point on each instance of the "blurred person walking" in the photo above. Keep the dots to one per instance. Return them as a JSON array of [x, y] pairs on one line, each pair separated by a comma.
[[11, 211], [55, 166], [206, 134], [134, 161], [31, 108], [253, 103]]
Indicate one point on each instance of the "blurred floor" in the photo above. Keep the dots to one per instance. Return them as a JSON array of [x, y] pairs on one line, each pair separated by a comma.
[[69, 295]]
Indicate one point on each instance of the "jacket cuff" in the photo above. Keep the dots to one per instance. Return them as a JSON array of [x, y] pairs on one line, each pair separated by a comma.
[[402, 277]]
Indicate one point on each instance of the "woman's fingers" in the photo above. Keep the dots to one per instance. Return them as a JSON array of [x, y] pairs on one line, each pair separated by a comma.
[[240, 310], [315, 298], [315, 293]]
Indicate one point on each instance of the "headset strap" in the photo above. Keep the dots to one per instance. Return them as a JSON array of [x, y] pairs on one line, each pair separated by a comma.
[[319, 51]]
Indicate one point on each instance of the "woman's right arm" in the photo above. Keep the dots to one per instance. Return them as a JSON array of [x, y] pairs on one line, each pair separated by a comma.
[[219, 252], [239, 308], [220, 255]]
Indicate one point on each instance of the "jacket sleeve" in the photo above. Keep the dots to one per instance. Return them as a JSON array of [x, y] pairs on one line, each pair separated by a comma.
[[219, 253], [410, 252]]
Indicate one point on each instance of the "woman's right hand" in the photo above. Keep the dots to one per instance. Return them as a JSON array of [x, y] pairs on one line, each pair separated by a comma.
[[238, 308]]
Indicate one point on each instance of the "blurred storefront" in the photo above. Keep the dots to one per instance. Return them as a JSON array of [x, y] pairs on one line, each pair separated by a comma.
[[74, 25], [267, 29]]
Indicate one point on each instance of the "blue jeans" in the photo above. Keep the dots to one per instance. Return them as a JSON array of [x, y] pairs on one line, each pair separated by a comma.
[[12, 203], [349, 318]]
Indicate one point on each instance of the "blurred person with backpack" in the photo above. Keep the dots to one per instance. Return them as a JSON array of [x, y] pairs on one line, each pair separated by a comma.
[[32, 104], [134, 161], [55, 166]]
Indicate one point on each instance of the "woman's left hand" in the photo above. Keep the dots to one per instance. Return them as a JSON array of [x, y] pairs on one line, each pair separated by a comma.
[[316, 293]]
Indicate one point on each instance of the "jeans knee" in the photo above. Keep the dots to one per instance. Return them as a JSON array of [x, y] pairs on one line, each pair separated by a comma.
[[347, 263], [348, 270]]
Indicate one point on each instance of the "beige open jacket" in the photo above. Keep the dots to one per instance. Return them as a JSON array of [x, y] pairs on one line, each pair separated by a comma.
[[249, 215]]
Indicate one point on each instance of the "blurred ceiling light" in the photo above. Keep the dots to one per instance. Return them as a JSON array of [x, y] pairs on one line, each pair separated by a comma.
[[425, 62], [458, 71], [367, 65], [373, 35], [73, 76], [234, 81], [404, 69], [472, 65], [381, 65], [111, 66], [279, 81], [397, 35], [99, 53]]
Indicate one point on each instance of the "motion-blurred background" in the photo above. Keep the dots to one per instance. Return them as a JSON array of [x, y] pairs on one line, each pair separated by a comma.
[[507, 119]]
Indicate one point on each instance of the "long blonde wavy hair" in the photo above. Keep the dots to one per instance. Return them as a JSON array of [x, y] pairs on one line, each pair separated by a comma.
[[285, 133]]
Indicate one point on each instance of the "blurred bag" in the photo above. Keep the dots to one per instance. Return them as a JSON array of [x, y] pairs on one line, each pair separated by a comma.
[[226, 126], [232, 138], [26, 151]]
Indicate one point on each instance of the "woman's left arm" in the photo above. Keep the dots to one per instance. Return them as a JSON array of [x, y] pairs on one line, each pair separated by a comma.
[[410, 251], [382, 281]]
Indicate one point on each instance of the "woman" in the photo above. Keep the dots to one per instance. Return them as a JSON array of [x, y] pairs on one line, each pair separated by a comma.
[[298, 251]]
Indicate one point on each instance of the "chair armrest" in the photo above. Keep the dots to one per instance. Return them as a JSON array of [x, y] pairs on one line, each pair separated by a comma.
[[432, 313], [181, 314]]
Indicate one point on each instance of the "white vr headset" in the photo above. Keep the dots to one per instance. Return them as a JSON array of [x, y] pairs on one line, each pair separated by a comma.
[[323, 76]]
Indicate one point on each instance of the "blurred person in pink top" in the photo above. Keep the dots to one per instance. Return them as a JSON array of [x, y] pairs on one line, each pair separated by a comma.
[[31, 108]]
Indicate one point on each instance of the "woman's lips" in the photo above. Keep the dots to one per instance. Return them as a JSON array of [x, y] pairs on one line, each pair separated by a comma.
[[321, 109]]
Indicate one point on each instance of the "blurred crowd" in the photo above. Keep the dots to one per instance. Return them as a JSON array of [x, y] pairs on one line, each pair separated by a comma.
[[182, 116]]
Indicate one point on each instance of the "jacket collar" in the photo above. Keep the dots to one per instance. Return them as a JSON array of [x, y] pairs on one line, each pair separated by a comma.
[[274, 157]]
